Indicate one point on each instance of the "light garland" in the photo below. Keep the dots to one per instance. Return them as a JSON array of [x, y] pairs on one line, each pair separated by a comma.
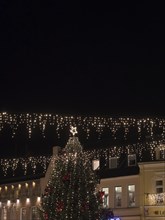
[[155, 199], [33, 165], [100, 125], [90, 126]]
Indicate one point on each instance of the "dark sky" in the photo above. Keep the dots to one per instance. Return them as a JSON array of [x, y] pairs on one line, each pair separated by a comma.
[[81, 58]]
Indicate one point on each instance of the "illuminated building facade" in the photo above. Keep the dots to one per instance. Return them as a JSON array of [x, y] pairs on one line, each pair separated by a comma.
[[133, 189], [20, 200]]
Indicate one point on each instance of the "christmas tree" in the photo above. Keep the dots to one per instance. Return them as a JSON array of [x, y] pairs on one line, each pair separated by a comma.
[[71, 189]]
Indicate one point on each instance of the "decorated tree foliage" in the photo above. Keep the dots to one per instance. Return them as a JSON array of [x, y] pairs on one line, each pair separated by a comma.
[[71, 189]]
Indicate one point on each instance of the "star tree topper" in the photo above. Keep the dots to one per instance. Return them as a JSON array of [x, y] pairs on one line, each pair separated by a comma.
[[73, 130]]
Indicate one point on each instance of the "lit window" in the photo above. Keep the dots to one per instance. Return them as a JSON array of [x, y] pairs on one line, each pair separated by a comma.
[[105, 197], [118, 196], [95, 164], [131, 195]]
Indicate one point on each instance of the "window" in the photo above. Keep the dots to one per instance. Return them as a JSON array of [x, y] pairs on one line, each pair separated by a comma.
[[159, 199], [118, 196], [23, 213], [131, 195], [113, 162], [132, 160], [162, 153], [95, 164], [34, 213], [159, 186], [105, 197], [13, 214]]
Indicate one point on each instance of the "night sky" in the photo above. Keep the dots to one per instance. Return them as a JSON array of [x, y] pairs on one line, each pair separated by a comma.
[[79, 58]]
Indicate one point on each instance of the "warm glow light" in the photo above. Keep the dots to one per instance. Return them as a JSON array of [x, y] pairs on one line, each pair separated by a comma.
[[6, 188], [19, 186], [28, 200], [8, 202], [18, 201], [33, 184], [12, 186], [113, 151], [73, 130], [38, 199], [0, 204], [33, 120], [26, 184], [87, 125]]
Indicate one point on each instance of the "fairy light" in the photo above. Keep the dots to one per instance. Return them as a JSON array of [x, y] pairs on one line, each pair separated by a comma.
[[35, 163], [87, 124]]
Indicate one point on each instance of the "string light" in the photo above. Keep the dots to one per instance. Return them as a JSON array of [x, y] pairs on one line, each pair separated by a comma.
[[89, 126], [34, 163], [41, 163], [100, 125]]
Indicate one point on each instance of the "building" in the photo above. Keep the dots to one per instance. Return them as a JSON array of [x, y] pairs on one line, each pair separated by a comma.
[[133, 187], [152, 189]]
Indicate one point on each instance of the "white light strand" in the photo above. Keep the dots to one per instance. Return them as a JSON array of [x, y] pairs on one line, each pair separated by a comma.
[[88, 125], [33, 164]]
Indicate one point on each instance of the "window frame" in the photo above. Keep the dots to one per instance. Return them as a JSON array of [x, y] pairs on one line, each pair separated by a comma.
[[113, 159], [105, 197], [134, 159], [119, 195], [133, 203], [21, 213], [160, 186], [36, 213]]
